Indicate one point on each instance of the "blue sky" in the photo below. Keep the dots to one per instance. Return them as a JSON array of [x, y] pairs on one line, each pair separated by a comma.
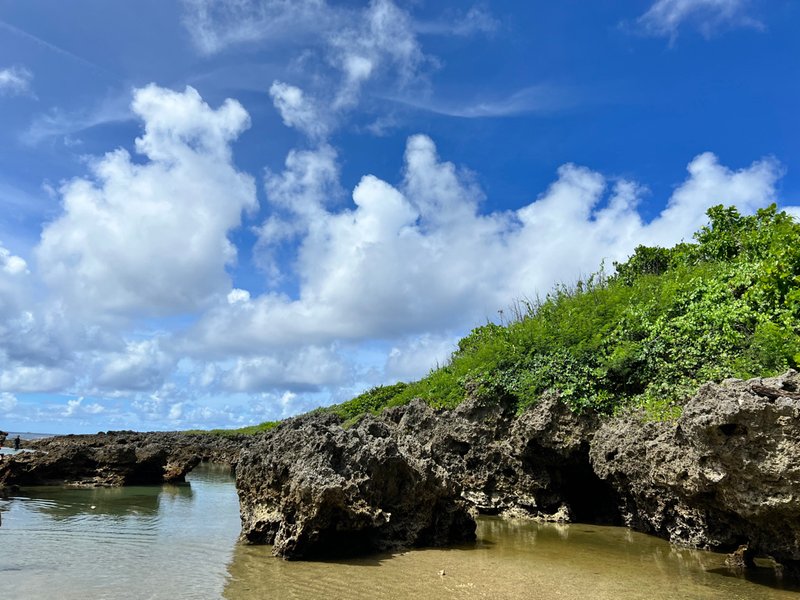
[[219, 212]]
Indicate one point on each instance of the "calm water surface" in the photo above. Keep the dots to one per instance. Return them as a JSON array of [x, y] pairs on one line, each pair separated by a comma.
[[180, 542]]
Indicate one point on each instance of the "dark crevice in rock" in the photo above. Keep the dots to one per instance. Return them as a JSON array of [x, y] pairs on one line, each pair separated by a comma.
[[732, 429], [590, 499], [329, 543], [572, 483]]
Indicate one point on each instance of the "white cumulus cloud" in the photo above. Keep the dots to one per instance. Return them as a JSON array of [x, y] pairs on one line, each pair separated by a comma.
[[76, 408], [151, 237], [16, 377], [421, 258], [306, 370], [141, 365], [413, 358], [11, 264]]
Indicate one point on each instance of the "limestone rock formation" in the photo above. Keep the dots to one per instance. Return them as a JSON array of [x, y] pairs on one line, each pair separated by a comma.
[[726, 474], [113, 459], [532, 465], [313, 489]]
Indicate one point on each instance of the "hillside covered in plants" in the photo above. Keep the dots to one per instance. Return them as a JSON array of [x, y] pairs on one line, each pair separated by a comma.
[[667, 320]]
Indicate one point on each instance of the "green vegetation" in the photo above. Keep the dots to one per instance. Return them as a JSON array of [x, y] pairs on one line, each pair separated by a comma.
[[249, 430], [647, 336]]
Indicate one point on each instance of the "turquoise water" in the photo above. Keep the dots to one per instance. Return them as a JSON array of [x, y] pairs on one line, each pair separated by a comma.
[[179, 542]]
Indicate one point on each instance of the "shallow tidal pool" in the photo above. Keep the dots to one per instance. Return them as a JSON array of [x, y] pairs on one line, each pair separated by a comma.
[[180, 542]]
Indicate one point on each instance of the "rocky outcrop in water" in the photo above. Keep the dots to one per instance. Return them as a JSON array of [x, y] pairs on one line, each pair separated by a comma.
[[406, 477], [114, 458], [313, 489], [726, 474]]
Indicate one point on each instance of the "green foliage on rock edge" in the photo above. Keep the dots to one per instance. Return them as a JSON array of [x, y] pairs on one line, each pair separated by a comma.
[[667, 320]]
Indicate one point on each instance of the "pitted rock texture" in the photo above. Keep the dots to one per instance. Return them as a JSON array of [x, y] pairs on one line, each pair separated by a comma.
[[113, 459], [533, 465], [406, 477], [726, 474], [314, 489]]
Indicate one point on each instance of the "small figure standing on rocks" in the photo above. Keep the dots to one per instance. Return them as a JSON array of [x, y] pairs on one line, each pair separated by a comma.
[[16, 443]]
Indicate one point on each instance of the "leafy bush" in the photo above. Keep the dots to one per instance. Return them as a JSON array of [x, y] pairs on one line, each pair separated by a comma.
[[669, 319]]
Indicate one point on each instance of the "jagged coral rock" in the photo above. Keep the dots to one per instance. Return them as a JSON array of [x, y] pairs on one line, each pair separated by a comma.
[[726, 473], [312, 488]]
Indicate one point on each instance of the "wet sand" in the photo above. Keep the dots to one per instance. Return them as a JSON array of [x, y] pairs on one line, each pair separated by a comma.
[[512, 560]]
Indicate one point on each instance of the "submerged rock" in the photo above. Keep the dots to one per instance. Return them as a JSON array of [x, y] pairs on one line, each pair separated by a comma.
[[726, 474], [314, 489]]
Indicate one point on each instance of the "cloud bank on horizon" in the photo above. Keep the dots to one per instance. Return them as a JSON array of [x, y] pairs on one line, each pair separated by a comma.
[[179, 278]]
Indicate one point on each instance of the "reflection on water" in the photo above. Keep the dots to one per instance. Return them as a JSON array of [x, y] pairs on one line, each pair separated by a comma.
[[67, 503], [179, 542], [170, 541], [511, 560]]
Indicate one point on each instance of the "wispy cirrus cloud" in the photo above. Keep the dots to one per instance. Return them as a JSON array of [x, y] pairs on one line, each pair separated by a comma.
[[478, 20], [214, 25], [50, 47], [65, 124], [15, 81], [542, 98], [371, 49], [665, 17]]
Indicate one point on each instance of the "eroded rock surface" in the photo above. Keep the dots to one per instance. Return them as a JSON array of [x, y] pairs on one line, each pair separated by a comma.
[[312, 489], [113, 459], [726, 474], [406, 478], [532, 465]]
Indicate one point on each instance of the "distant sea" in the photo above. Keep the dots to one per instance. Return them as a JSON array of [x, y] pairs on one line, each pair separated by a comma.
[[27, 435], [23, 435]]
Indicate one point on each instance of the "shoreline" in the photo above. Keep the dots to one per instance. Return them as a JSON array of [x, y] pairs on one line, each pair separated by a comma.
[[679, 480]]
